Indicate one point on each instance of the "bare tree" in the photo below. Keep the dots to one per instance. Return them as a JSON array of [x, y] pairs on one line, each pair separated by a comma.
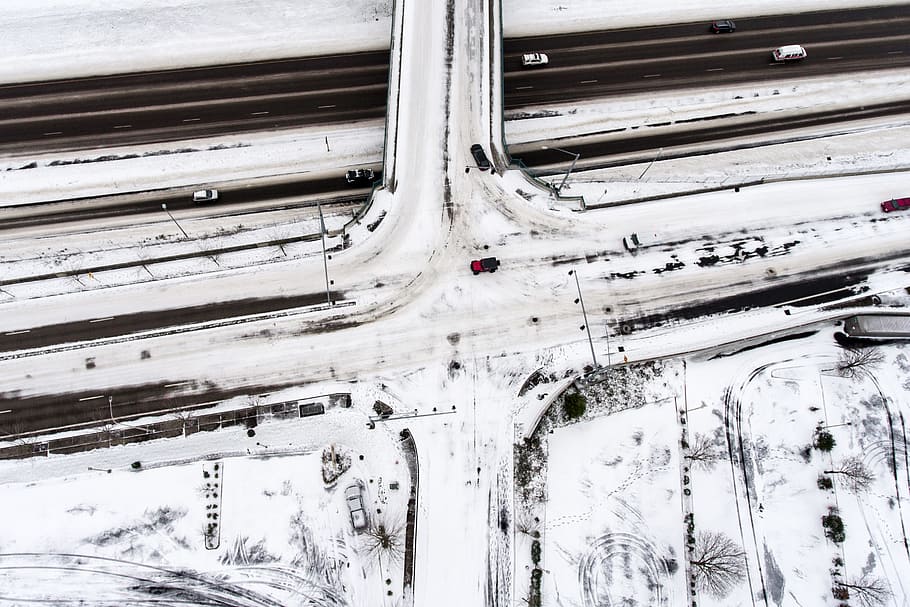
[[855, 473], [703, 451], [183, 417], [869, 591], [385, 540], [718, 563], [853, 362]]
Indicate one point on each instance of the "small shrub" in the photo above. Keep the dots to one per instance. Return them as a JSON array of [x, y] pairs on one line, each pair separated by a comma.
[[840, 593], [824, 482], [824, 441], [535, 552], [834, 527], [574, 405], [534, 595]]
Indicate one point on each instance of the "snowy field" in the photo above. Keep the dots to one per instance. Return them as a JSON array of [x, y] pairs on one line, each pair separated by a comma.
[[89, 522], [622, 484]]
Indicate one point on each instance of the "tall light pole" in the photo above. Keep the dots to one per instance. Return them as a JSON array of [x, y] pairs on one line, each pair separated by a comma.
[[584, 314], [575, 158], [164, 206], [325, 260]]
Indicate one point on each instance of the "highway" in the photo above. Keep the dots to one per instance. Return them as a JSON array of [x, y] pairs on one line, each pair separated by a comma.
[[332, 191], [372, 285], [182, 104], [418, 323], [646, 60]]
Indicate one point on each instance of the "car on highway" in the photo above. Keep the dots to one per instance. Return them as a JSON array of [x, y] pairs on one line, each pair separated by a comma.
[[480, 157], [896, 204], [205, 196], [723, 26], [354, 499], [359, 176], [534, 59], [790, 52], [487, 264]]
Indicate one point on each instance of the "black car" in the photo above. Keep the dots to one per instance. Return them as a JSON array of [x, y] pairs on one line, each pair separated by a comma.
[[487, 264], [724, 26], [480, 157], [359, 176]]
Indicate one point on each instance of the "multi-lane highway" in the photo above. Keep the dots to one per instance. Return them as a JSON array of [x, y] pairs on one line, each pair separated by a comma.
[[181, 104], [334, 191], [642, 60], [145, 93]]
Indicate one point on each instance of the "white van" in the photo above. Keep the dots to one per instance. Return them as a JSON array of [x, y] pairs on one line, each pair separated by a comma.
[[791, 52], [534, 59]]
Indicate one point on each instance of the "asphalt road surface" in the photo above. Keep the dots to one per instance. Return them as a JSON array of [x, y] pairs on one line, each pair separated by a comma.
[[641, 60], [181, 104], [149, 203]]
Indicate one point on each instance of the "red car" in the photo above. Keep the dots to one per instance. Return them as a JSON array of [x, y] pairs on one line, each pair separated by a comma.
[[487, 264], [896, 204]]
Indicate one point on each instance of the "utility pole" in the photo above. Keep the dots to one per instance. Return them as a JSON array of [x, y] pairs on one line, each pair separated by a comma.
[[325, 260], [585, 316], [164, 206], [575, 158]]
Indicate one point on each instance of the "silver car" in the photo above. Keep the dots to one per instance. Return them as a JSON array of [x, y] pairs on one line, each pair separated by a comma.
[[354, 500], [205, 196]]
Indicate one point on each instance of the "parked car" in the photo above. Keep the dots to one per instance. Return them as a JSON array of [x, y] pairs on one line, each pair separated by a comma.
[[354, 499], [487, 264], [480, 157], [723, 26], [205, 196], [534, 59], [791, 52], [896, 204], [359, 176]]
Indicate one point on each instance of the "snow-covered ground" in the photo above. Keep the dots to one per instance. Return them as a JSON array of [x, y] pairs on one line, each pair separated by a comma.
[[618, 506], [94, 525], [622, 483]]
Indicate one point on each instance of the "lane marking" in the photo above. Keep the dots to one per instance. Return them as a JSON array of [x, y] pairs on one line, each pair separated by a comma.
[[124, 126], [91, 398], [835, 58], [259, 113], [179, 383], [587, 82], [191, 119], [20, 332], [895, 52], [523, 88], [715, 69], [6, 411], [102, 319], [53, 133], [325, 107], [651, 76]]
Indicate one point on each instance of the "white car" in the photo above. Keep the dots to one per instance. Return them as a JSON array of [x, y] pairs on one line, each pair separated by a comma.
[[791, 52], [534, 59], [355, 506], [205, 196]]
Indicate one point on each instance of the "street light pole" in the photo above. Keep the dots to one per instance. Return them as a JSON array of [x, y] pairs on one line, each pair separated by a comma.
[[575, 158], [585, 316], [325, 261], [164, 206]]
